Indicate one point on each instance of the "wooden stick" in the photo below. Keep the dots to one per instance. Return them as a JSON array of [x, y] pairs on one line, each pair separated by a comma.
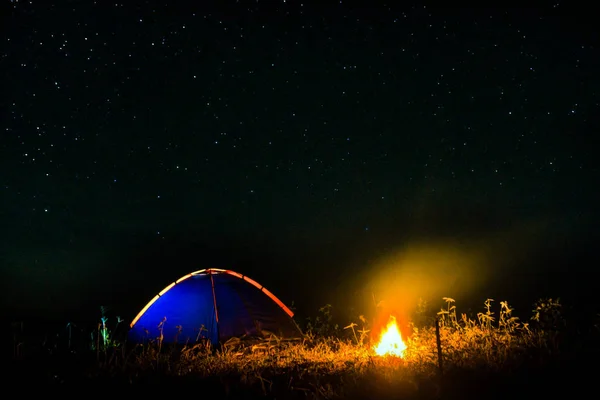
[[439, 345]]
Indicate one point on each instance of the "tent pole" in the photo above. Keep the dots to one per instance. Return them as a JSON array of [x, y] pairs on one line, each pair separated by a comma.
[[212, 282]]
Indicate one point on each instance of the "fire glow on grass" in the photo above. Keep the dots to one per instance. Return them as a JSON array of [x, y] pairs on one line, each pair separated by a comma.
[[390, 341]]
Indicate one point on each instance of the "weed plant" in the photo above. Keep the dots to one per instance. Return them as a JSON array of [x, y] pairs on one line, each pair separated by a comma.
[[332, 361]]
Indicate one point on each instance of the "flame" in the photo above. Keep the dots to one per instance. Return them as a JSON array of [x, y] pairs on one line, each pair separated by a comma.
[[390, 341]]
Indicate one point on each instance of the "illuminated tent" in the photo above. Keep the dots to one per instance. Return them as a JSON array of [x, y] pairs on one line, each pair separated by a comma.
[[213, 304]]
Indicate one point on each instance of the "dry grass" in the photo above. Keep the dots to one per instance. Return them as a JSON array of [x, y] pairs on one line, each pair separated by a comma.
[[341, 363], [337, 364]]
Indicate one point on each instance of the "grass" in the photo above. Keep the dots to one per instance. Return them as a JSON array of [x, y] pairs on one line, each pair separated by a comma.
[[491, 353]]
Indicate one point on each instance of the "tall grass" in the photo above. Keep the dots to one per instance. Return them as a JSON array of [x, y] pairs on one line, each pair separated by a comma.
[[332, 361]]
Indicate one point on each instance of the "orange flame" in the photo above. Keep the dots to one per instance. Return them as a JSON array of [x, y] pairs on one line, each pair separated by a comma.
[[390, 342]]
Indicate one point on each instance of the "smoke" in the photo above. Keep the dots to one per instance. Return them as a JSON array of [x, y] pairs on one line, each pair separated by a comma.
[[468, 270], [425, 271]]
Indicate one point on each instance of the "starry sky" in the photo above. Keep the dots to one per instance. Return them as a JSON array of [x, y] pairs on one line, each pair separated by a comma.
[[291, 141]]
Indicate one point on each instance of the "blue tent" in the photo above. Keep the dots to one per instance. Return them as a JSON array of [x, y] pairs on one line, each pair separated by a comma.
[[213, 304]]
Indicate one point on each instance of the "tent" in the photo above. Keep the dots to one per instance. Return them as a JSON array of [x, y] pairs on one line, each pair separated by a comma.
[[213, 304]]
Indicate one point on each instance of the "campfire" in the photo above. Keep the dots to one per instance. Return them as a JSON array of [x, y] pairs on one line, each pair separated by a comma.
[[390, 341]]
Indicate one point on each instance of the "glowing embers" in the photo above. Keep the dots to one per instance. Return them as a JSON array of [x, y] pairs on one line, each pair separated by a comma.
[[390, 341]]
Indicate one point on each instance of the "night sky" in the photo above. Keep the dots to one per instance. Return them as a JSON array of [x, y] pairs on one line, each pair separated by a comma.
[[311, 147]]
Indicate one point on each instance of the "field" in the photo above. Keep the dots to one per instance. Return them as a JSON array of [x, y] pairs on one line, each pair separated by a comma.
[[491, 354]]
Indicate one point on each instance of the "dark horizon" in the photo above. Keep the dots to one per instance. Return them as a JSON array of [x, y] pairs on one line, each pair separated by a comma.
[[309, 281], [334, 154]]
